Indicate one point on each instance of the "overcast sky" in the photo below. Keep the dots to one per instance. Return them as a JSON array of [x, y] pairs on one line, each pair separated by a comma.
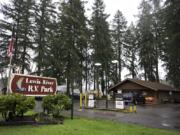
[[129, 8]]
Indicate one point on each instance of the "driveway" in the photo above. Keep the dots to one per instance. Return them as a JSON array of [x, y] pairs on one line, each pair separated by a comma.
[[166, 116]]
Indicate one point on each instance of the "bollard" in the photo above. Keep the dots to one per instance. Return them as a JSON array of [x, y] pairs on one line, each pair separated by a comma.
[[130, 108], [135, 110], [85, 100], [80, 101]]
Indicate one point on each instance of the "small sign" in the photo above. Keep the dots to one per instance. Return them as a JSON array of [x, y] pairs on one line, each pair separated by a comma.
[[119, 104], [119, 91], [91, 103], [33, 85], [170, 93], [91, 97]]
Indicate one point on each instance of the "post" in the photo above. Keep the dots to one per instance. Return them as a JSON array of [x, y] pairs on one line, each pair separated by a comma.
[[106, 90], [72, 101], [9, 75], [98, 81], [85, 100], [10, 62], [106, 99], [80, 101], [116, 72], [94, 79], [135, 109]]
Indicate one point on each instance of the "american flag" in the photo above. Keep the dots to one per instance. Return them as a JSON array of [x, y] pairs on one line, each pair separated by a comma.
[[11, 45]]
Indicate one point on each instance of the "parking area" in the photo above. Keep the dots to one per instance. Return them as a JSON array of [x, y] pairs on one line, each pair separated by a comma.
[[166, 116]]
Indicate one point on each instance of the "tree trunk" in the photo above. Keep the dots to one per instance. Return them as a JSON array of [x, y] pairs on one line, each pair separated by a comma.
[[119, 57], [157, 64]]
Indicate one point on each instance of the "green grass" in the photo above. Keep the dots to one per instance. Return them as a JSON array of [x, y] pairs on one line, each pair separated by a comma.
[[30, 113], [85, 127]]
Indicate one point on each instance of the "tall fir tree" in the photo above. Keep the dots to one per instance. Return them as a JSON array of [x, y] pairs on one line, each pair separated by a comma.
[[18, 13], [74, 36], [157, 28], [118, 35], [147, 55], [130, 50], [101, 41], [171, 47], [44, 13]]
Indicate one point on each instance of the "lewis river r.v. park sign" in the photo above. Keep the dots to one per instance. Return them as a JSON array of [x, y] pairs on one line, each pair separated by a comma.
[[32, 85]]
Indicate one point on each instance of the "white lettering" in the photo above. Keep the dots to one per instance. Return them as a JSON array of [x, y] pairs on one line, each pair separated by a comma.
[[44, 89], [32, 88], [47, 82]]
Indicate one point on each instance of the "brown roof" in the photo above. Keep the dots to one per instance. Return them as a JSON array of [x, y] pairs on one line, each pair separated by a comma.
[[150, 85]]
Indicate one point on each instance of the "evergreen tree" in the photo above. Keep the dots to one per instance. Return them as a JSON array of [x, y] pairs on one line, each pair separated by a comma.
[[18, 13], [74, 38], [119, 28], [53, 64], [172, 45], [101, 40], [44, 14], [157, 28], [130, 50], [147, 55]]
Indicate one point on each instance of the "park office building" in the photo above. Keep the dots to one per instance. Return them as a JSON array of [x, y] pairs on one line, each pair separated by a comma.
[[152, 91]]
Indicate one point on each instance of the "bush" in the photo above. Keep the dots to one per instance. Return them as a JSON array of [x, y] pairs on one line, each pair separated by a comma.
[[23, 104], [15, 105], [48, 103], [56, 104]]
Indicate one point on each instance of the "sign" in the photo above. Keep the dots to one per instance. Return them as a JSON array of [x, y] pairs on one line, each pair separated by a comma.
[[91, 97], [119, 91], [119, 104], [91, 103], [32, 85]]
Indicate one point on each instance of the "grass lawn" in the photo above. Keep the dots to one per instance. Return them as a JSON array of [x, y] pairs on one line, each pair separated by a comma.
[[84, 127]]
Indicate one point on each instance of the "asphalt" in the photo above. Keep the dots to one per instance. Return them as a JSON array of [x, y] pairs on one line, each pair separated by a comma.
[[165, 116]]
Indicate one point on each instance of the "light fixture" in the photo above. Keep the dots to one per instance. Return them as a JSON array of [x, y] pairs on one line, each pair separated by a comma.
[[97, 64], [114, 61]]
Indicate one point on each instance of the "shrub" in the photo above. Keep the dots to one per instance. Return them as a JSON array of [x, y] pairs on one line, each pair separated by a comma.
[[48, 103], [15, 105], [23, 104], [56, 104]]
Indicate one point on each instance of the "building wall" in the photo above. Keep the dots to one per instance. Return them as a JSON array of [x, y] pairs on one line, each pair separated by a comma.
[[164, 96], [176, 96], [150, 94], [157, 96]]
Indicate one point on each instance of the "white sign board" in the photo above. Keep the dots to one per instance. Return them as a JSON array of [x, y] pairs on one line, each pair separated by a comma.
[[91, 103], [119, 104], [91, 97], [119, 91]]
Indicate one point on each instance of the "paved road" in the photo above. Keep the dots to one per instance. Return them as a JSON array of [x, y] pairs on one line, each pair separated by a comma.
[[166, 116]]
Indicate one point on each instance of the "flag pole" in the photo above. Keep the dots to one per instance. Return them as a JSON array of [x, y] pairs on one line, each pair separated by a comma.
[[10, 62], [9, 75]]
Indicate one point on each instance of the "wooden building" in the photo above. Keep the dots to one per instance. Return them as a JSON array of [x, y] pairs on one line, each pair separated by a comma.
[[153, 92]]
